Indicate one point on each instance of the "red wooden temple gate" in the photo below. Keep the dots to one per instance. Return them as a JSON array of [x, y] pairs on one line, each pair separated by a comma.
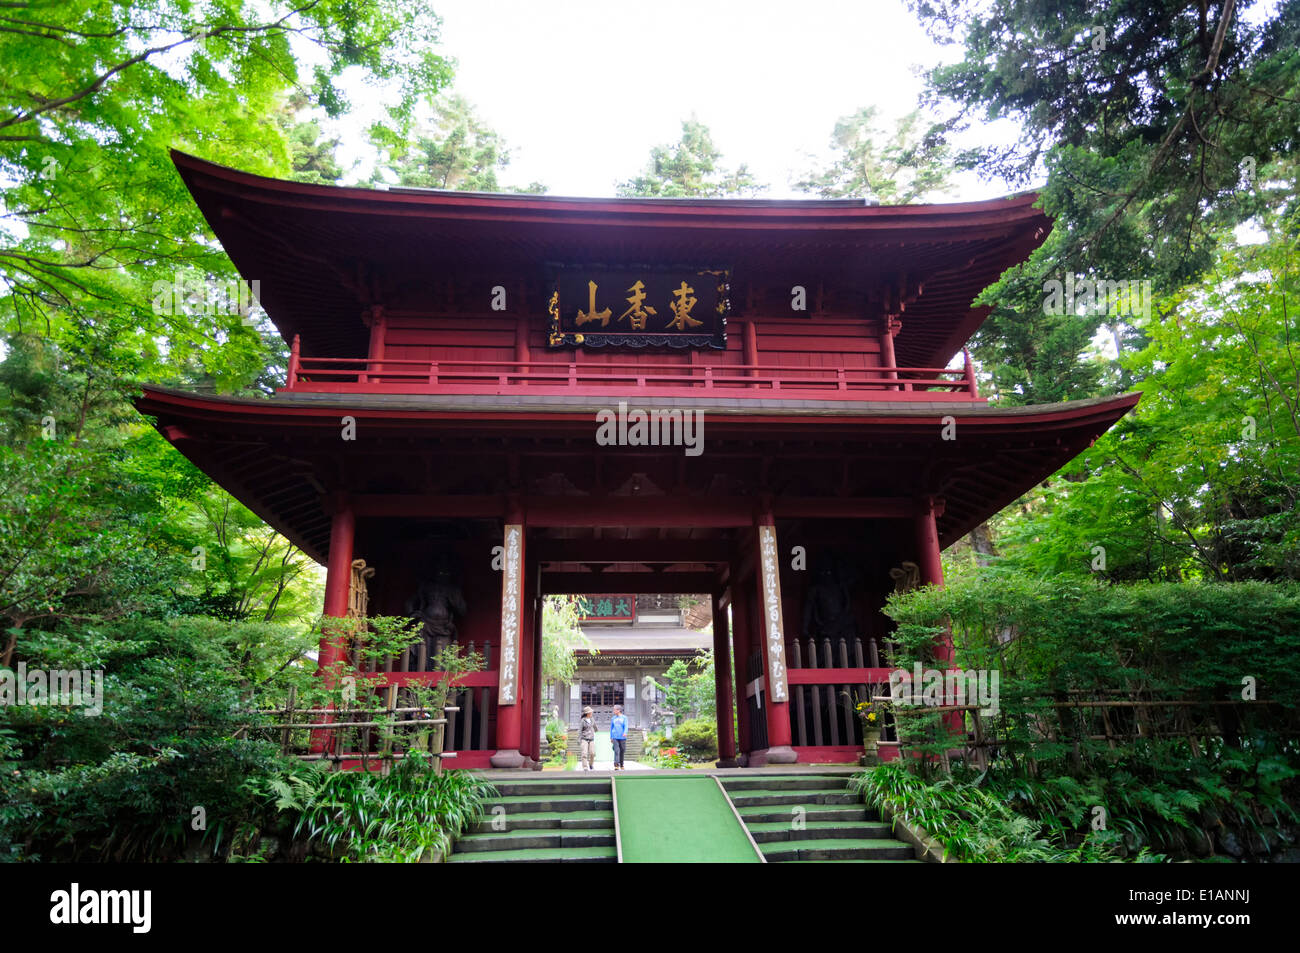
[[455, 356]]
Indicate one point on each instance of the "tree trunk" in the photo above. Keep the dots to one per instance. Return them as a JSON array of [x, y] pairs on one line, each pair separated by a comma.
[[981, 540], [7, 656]]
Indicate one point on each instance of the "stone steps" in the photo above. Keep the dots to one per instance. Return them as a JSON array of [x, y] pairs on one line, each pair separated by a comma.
[[767, 798], [529, 839], [562, 820], [547, 820], [813, 818], [819, 830], [762, 814], [806, 818], [837, 849], [579, 855]]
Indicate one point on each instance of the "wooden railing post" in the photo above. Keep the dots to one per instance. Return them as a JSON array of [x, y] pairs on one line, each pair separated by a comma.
[[386, 747], [295, 359], [287, 733], [971, 386]]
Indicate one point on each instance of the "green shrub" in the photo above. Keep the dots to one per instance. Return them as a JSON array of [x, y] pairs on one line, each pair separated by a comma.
[[697, 738], [398, 817]]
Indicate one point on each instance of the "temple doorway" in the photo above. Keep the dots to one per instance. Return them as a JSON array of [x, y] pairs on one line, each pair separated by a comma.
[[602, 697]]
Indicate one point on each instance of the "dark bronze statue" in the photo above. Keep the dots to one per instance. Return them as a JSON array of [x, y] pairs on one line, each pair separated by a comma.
[[438, 603], [828, 603]]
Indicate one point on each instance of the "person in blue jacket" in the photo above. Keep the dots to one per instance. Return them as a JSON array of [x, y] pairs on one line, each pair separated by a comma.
[[618, 736]]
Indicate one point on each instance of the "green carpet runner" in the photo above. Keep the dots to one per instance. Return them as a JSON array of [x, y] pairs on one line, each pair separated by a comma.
[[679, 820]]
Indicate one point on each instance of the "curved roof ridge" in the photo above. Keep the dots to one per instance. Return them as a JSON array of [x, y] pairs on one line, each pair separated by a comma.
[[192, 167]]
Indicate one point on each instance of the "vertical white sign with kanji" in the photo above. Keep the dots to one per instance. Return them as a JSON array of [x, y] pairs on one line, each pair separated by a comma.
[[511, 611], [773, 625]]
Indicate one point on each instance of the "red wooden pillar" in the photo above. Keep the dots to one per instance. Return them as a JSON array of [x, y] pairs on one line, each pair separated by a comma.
[[338, 580], [887, 358], [531, 696], [772, 632], [740, 617], [929, 560], [510, 720], [522, 355], [722, 682], [751, 349], [378, 322], [931, 565]]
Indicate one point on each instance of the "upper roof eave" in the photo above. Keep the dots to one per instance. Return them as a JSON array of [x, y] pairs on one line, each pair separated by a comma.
[[201, 175]]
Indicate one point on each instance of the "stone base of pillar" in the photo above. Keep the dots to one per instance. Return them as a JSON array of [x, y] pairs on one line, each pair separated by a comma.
[[780, 754], [727, 763], [508, 758]]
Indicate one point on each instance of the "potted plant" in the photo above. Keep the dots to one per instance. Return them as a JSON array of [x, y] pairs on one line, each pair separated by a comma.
[[870, 716]]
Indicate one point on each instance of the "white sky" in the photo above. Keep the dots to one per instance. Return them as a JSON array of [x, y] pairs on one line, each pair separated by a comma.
[[581, 90]]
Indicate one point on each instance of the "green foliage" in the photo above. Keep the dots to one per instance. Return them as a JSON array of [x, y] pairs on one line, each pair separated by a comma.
[[672, 758], [691, 691], [1159, 128], [562, 637], [400, 817], [557, 740], [1182, 640], [1143, 131], [97, 93], [691, 168], [1161, 782], [972, 821], [893, 168], [455, 149], [1200, 481], [123, 785], [697, 738]]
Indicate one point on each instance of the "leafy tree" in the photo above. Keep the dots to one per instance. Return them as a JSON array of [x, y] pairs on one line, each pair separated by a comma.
[[1158, 126], [245, 569], [562, 637], [312, 157], [454, 150], [690, 694], [691, 168], [895, 167], [1201, 480], [1142, 114], [97, 95]]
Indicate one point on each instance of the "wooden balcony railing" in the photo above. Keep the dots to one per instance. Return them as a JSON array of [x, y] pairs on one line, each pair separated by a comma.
[[404, 376]]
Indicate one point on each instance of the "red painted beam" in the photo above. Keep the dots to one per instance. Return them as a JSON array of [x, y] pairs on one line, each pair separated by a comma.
[[621, 511], [837, 676], [486, 679], [633, 550], [607, 583]]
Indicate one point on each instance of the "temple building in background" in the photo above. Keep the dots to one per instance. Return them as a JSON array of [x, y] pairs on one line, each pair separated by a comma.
[[634, 641]]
